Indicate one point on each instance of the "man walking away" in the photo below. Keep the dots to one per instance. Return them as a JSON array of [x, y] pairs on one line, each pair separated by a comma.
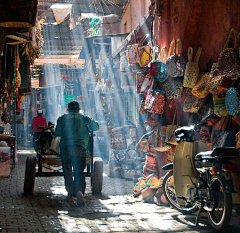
[[73, 128]]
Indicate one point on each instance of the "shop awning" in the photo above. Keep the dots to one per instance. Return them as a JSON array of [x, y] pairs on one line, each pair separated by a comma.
[[143, 28], [92, 45]]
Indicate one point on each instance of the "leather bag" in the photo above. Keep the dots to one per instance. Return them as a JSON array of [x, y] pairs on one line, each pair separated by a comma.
[[175, 64], [145, 55], [192, 103], [173, 87], [229, 61]]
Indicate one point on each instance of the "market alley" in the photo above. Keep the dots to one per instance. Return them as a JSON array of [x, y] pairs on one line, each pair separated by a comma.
[[114, 210]]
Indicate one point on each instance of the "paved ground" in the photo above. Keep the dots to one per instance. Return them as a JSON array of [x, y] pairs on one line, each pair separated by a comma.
[[115, 210]]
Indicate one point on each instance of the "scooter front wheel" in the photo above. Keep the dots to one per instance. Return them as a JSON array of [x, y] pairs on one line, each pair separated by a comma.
[[169, 193], [220, 216]]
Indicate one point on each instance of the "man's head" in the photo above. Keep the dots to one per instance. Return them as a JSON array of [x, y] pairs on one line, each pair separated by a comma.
[[39, 112], [73, 106]]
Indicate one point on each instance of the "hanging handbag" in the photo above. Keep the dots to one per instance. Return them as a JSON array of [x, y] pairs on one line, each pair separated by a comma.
[[173, 87], [206, 112], [154, 65], [132, 54], [175, 64], [223, 137], [159, 103], [161, 76], [192, 68], [146, 84], [142, 109], [232, 101], [145, 55], [143, 144], [152, 121], [219, 105], [170, 130], [140, 76], [199, 88], [192, 103], [229, 61], [151, 96], [217, 84]]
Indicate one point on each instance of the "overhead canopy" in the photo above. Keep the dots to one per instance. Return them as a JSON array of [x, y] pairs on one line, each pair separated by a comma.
[[101, 7]]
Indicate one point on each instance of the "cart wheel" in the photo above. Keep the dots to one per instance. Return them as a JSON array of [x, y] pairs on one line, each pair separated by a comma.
[[97, 176], [30, 173]]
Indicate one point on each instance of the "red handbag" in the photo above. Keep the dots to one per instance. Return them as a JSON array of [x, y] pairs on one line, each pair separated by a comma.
[[159, 103]]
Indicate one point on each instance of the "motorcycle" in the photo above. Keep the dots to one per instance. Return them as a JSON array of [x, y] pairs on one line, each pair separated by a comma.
[[200, 180]]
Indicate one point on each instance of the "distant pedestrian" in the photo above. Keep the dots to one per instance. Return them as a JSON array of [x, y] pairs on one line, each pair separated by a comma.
[[38, 121], [73, 129]]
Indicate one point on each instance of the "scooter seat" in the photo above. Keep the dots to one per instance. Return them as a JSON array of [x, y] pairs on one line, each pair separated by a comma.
[[227, 152], [219, 152], [204, 155]]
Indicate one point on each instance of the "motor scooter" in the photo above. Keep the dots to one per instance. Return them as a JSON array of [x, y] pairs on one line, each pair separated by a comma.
[[200, 179]]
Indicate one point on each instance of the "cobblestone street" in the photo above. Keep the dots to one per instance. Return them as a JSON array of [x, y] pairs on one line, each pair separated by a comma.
[[115, 210]]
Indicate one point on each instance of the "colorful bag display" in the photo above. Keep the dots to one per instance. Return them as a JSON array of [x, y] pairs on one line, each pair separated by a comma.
[[145, 55], [173, 88], [217, 84], [232, 101], [192, 103], [175, 64], [159, 103], [192, 68], [229, 61], [219, 105]]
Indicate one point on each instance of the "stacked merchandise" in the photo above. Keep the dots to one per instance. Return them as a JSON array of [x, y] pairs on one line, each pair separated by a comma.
[[174, 93], [124, 161]]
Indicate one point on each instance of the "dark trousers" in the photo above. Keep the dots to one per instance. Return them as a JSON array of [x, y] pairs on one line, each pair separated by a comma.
[[35, 140], [73, 157]]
